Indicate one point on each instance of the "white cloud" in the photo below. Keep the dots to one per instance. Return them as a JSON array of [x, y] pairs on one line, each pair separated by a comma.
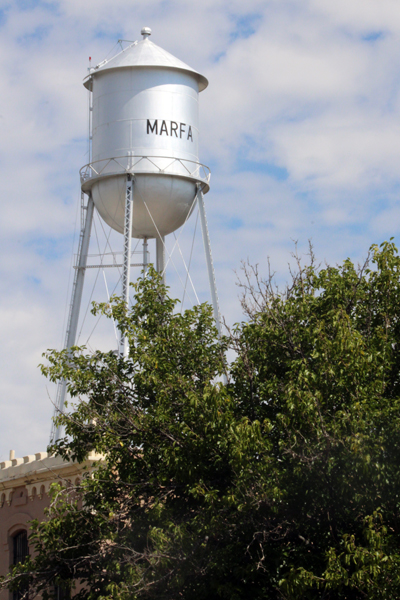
[[300, 123], [360, 16]]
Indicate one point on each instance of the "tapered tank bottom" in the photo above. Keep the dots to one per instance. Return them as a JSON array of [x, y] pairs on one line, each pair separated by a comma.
[[161, 203]]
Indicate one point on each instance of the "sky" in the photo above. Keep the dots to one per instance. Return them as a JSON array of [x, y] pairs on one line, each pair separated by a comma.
[[299, 125]]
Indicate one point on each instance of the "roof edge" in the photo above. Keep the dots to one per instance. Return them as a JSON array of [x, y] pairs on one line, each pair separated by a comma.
[[202, 81]]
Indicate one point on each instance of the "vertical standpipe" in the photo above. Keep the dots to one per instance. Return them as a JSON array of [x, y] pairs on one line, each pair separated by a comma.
[[160, 256], [145, 256]]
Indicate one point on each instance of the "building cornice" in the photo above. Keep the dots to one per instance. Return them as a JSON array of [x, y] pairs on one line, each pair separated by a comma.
[[38, 471]]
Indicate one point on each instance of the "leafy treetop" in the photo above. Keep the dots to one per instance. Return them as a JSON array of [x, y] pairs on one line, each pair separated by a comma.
[[281, 484]]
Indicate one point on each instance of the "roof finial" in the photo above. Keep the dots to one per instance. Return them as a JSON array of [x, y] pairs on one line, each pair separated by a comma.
[[146, 32]]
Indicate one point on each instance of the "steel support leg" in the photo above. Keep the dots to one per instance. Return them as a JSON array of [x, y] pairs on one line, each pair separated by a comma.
[[160, 257], [127, 256], [209, 261], [75, 306]]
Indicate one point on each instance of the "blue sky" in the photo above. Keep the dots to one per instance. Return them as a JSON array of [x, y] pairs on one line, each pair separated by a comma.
[[300, 126]]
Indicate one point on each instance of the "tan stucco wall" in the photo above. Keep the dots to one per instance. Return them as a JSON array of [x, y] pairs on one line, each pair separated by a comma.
[[14, 518], [24, 488]]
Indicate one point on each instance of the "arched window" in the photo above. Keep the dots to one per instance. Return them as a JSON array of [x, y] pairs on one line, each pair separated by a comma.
[[20, 552]]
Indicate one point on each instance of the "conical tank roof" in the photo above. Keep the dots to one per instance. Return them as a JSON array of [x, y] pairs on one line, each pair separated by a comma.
[[144, 54]]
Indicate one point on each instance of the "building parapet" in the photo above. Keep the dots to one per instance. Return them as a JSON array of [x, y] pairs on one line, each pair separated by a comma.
[[38, 471]]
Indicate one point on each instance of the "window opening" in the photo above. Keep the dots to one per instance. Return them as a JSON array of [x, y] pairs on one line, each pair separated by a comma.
[[20, 554]]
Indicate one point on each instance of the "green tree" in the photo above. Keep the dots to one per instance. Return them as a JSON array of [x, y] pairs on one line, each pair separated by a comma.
[[319, 366], [284, 483]]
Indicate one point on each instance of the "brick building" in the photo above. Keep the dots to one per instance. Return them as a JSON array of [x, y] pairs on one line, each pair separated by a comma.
[[24, 494]]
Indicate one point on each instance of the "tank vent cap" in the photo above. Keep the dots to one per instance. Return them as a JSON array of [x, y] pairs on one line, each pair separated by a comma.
[[146, 32]]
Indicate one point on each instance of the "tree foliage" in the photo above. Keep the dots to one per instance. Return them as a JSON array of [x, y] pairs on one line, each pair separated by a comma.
[[283, 483]]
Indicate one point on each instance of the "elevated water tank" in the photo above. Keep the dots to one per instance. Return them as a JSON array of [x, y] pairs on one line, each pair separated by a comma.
[[145, 122]]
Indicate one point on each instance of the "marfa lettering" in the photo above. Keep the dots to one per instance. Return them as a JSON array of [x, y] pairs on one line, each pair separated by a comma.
[[170, 128]]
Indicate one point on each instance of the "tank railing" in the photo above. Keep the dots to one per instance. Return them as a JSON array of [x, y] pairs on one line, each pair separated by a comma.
[[190, 168]]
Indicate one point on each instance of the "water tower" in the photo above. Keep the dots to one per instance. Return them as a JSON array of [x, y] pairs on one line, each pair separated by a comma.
[[144, 176]]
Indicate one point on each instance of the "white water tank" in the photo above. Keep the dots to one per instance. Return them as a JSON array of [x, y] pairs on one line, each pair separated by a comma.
[[145, 123]]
